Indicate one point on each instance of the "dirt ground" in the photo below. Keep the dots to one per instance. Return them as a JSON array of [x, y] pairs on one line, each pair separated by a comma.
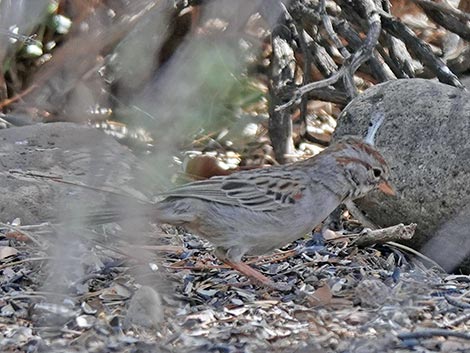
[[171, 295]]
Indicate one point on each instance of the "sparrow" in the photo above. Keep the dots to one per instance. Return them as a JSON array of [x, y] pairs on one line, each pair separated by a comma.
[[256, 211]]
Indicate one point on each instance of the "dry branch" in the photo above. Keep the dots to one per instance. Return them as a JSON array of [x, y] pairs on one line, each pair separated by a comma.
[[282, 75], [350, 65], [443, 16], [399, 232], [431, 332], [396, 39], [421, 50]]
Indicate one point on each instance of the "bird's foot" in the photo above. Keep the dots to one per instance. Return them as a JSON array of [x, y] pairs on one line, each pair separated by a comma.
[[276, 257], [257, 276]]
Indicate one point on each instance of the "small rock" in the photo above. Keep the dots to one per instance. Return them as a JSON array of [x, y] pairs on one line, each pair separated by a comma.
[[145, 308], [85, 321], [88, 309], [372, 293]]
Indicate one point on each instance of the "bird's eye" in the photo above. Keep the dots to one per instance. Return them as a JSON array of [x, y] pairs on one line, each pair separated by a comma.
[[377, 172]]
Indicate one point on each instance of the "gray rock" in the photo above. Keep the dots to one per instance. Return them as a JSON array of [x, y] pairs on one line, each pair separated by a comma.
[[372, 293], [77, 153], [145, 308], [425, 140]]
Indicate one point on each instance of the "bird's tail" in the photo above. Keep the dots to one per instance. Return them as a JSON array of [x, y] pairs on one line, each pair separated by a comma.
[[115, 211], [119, 206]]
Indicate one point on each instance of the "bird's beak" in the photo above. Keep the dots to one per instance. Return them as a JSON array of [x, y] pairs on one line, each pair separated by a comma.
[[386, 188]]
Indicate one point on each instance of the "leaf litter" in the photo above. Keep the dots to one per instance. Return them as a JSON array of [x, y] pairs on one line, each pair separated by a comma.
[[179, 298]]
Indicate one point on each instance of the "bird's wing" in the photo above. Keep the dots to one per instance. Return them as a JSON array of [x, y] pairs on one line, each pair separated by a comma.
[[259, 190]]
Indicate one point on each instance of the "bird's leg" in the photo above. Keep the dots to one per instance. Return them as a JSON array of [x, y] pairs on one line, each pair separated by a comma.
[[254, 275], [333, 221], [359, 215], [276, 257], [232, 257]]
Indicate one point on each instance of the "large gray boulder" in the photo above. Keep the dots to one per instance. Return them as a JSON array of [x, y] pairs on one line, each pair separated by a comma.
[[76, 153], [425, 138]]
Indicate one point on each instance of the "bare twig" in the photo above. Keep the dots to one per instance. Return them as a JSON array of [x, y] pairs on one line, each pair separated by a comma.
[[377, 68], [416, 253], [432, 332], [18, 96], [27, 227], [350, 65], [322, 59], [19, 262], [394, 64], [444, 8], [310, 87], [455, 302], [282, 76], [421, 50], [22, 231], [59, 179], [398, 232], [365, 51], [450, 18], [329, 94], [458, 320], [329, 29], [398, 58], [307, 74]]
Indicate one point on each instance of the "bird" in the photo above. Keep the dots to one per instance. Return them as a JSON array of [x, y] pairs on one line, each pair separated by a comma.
[[254, 212]]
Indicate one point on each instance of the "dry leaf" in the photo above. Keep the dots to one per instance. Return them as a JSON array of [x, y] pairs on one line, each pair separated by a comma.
[[17, 236], [322, 296], [331, 235], [6, 251], [203, 167]]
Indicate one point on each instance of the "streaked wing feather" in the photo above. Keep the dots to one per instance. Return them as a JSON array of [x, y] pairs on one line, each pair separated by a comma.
[[260, 190], [209, 190]]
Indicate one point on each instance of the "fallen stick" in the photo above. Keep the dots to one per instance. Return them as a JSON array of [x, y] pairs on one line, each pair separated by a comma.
[[379, 236]]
